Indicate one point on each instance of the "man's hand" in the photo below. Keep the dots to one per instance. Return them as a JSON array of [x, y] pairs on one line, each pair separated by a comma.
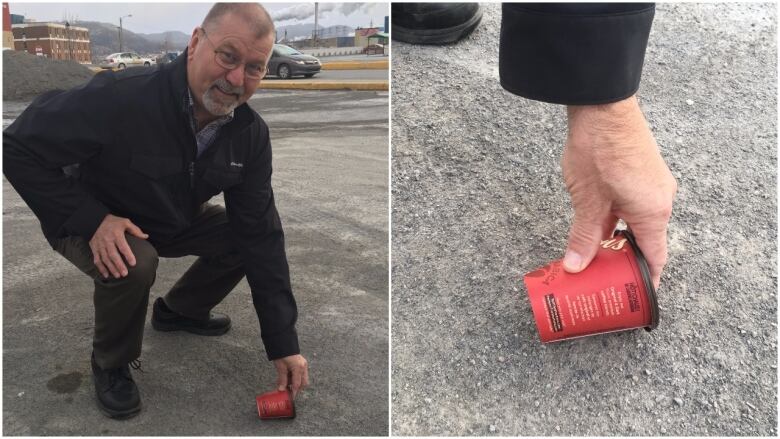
[[109, 242], [292, 371], [613, 170]]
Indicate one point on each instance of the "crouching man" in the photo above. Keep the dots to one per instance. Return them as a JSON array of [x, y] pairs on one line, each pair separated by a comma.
[[152, 147]]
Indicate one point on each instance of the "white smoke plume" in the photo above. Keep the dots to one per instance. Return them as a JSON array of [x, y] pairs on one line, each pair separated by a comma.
[[297, 12], [306, 10]]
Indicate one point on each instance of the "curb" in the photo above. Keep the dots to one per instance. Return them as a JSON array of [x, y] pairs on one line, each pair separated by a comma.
[[356, 65], [324, 84], [333, 65], [318, 84]]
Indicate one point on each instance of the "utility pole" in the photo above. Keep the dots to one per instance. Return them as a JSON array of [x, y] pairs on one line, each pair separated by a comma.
[[120, 29], [316, 9]]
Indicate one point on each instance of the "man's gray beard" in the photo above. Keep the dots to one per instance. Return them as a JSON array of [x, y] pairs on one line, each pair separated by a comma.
[[214, 106]]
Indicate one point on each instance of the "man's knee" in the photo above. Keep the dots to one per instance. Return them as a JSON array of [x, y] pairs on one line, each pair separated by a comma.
[[146, 261]]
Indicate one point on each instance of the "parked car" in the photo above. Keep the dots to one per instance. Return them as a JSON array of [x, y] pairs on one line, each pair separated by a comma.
[[287, 62], [167, 57], [122, 60]]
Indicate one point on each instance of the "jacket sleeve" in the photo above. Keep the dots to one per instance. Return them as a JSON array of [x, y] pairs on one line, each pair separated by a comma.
[[574, 54], [257, 228], [56, 130]]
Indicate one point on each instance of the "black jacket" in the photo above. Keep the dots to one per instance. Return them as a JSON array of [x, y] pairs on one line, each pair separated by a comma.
[[574, 53], [130, 135]]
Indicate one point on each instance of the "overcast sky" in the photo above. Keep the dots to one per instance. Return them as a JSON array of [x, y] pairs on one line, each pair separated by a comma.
[[160, 17]]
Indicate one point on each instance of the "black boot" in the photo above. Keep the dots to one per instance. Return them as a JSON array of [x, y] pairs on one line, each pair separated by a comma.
[[165, 319], [434, 23], [117, 394]]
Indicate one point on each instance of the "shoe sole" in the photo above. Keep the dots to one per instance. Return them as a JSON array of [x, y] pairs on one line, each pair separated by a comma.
[[119, 415], [436, 36], [165, 327]]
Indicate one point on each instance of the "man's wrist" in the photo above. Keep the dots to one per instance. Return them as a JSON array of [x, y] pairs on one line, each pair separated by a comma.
[[607, 129], [603, 115]]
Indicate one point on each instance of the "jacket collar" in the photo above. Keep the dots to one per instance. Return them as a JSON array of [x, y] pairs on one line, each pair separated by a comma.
[[242, 116]]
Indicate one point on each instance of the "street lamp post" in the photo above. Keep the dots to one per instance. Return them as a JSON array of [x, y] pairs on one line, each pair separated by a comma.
[[120, 29], [70, 40]]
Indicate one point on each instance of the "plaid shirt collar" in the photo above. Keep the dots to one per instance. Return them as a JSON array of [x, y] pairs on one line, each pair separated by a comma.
[[205, 137]]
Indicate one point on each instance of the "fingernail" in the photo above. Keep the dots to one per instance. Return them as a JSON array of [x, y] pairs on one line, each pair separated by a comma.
[[572, 261]]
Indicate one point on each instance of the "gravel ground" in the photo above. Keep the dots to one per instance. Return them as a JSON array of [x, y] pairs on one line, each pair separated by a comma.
[[478, 200], [26, 75]]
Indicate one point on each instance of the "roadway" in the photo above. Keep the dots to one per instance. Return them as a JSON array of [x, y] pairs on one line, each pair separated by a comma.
[[377, 75]]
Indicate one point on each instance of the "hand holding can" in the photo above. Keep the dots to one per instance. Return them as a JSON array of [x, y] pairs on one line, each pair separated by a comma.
[[615, 293], [277, 404]]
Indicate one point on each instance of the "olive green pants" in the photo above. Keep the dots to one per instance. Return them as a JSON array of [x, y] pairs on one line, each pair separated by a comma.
[[120, 304]]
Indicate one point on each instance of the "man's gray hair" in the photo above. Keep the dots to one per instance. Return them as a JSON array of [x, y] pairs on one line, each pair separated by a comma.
[[254, 14]]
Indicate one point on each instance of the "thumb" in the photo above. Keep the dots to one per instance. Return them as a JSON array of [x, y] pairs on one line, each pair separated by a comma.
[[584, 238], [136, 231]]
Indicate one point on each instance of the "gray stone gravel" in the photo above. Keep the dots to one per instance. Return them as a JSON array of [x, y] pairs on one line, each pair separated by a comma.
[[26, 76], [478, 200]]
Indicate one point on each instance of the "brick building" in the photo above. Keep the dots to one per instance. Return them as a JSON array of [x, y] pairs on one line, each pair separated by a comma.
[[361, 35], [53, 40], [8, 37]]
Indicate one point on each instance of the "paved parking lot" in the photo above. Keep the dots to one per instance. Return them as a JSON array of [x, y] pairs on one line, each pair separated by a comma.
[[330, 182]]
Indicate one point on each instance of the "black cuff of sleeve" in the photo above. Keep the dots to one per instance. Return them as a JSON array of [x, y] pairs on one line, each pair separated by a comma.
[[281, 345], [573, 58], [85, 221]]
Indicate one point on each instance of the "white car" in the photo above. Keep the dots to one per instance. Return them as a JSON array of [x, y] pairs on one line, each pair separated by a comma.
[[123, 60]]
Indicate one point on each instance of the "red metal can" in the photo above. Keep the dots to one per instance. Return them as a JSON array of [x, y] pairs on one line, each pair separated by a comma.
[[615, 293], [276, 405]]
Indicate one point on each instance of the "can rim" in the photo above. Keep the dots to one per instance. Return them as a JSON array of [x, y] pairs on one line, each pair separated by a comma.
[[292, 401], [645, 270]]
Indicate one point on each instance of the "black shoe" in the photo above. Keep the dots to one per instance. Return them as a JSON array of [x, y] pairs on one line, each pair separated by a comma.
[[165, 319], [434, 23], [117, 394]]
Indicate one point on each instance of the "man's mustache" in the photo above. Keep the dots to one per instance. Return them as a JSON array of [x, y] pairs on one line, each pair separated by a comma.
[[226, 87]]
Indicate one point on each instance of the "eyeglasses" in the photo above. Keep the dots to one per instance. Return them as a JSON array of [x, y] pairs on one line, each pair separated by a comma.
[[230, 61]]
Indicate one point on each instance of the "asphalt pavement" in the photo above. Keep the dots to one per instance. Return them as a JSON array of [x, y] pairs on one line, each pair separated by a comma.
[[478, 200], [330, 184]]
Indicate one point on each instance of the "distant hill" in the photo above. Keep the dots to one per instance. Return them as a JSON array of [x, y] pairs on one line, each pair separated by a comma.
[[105, 37], [105, 40], [175, 40]]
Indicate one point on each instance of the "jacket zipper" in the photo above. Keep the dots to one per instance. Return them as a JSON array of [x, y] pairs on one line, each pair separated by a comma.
[[192, 175]]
